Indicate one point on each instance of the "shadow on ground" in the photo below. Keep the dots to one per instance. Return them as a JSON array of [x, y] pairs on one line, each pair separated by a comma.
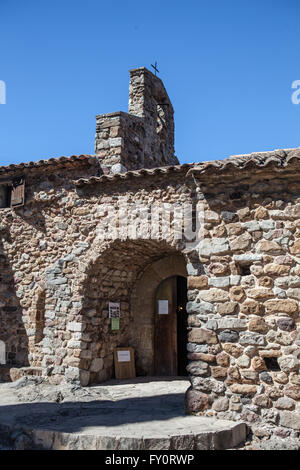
[[74, 416]]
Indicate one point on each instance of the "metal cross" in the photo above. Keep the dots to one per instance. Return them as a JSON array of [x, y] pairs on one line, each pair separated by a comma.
[[155, 67]]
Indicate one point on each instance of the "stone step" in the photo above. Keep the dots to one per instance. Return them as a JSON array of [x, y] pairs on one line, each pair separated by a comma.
[[11, 374], [190, 433]]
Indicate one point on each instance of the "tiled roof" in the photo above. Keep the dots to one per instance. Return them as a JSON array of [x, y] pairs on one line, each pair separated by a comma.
[[163, 170], [52, 162], [277, 159]]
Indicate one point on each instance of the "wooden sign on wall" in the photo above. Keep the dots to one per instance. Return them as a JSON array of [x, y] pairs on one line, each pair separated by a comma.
[[124, 363]]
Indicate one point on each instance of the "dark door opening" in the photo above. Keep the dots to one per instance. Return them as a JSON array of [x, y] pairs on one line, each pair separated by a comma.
[[182, 325], [171, 327]]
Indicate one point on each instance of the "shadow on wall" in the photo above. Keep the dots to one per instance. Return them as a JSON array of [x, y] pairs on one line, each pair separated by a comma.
[[12, 330]]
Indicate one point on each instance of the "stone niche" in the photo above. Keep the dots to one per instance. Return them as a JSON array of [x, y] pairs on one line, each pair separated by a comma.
[[3, 196]]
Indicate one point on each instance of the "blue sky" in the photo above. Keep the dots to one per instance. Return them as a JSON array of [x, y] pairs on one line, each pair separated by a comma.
[[228, 67]]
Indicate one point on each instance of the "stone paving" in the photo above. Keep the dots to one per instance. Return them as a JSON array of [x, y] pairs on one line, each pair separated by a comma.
[[142, 413]]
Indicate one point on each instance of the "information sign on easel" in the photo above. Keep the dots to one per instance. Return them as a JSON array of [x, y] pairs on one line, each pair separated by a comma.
[[124, 363]]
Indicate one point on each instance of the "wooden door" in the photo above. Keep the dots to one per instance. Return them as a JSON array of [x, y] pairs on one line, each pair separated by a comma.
[[182, 326], [165, 344]]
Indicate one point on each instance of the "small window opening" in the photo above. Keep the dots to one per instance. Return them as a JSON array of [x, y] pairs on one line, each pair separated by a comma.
[[272, 363], [236, 195], [5, 191], [12, 193]]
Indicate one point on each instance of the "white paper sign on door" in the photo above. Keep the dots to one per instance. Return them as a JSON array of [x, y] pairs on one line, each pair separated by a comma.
[[163, 307], [123, 356]]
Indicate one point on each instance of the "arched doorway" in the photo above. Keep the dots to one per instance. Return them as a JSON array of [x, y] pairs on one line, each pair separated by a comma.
[[170, 338], [144, 305], [127, 273]]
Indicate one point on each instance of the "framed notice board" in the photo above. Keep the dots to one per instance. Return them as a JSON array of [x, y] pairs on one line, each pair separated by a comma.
[[124, 363]]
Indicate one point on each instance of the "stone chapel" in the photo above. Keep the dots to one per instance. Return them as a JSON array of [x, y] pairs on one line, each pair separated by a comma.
[[222, 309]]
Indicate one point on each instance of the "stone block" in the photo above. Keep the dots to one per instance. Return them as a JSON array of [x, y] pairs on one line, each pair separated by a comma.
[[221, 404], [198, 356], [292, 391], [258, 364], [243, 361], [237, 294], [247, 258], [232, 323], [219, 372], [197, 282], [219, 281], [197, 368], [241, 242], [260, 293], [223, 359], [243, 389], [96, 365], [251, 307], [228, 336], [263, 401], [214, 295], [284, 403], [277, 269], [258, 325], [295, 248], [287, 306], [202, 335], [290, 419], [195, 401], [269, 247], [252, 338], [218, 268], [226, 308], [234, 350], [214, 246]]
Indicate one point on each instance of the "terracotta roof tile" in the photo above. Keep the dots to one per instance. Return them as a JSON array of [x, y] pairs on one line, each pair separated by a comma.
[[276, 159], [45, 163], [164, 170]]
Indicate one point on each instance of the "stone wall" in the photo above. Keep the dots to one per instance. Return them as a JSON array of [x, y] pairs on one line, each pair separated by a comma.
[[244, 310]]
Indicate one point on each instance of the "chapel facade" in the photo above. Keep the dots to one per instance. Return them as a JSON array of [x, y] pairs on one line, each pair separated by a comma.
[[208, 286]]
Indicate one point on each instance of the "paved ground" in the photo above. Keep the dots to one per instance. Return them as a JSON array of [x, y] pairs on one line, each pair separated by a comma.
[[143, 413]]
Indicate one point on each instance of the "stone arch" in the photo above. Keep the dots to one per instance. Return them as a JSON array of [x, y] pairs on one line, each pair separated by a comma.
[[113, 276], [143, 307]]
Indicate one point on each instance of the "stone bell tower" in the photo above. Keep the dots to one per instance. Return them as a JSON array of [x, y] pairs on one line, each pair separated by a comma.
[[143, 137]]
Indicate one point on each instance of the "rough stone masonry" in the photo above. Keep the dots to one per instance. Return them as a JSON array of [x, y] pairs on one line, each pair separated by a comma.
[[57, 274]]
